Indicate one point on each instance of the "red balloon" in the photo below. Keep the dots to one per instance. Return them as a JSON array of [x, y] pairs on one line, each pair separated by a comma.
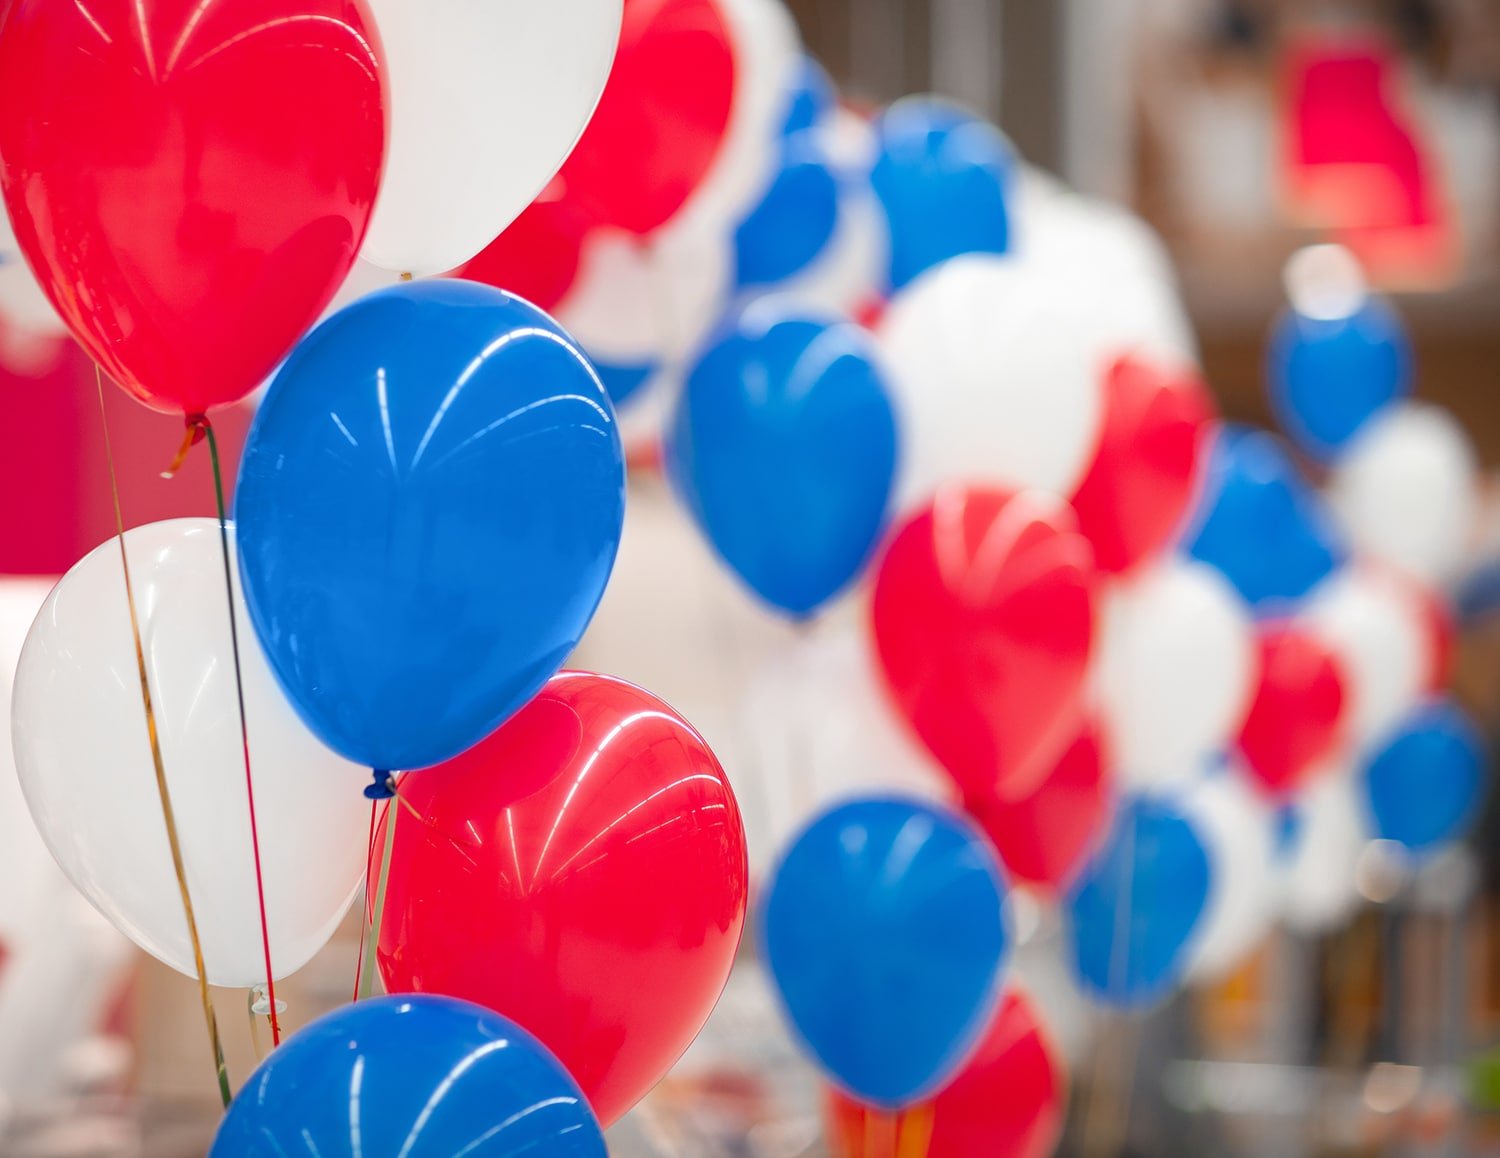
[[538, 254], [662, 118], [1295, 718], [190, 182], [1043, 838], [984, 621], [1008, 1102], [1145, 473], [583, 872]]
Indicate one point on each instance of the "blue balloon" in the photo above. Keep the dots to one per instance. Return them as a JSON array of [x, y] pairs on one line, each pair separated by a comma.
[[624, 382], [941, 175], [797, 219], [1328, 377], [429, 506], [883, 930], [783, 447], [1260, 524], [1427, 782], [1154, 865], [811, 100], [425, 1077]]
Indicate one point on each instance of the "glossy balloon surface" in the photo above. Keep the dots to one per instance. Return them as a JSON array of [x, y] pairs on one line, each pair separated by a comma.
[[84, 762], [797, 218], [1134, 910], [1296, 718], [984, 626], [424, 1077], [190, 182], [583, 871], [1427, 781], [783, 448], [429, 504], [1009, 1101], [1146, 471], [883, 930]]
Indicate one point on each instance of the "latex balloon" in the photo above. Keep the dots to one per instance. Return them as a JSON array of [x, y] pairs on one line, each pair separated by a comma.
[[783, 448], [1044, 837], [1426, 783], [967, 345], [1405, 491], [409, 454], [942, 175], [984, 625], [1328, 376], [1259, 523], [1177, 670], [1145, 473], [795, 221], [187, 218], [79, 731], [1329, 832], [487, 100], [1379, 625], [538, 255], [1239, 831], [1295, 721], [434, 1076], [811, 98], [879, 899], [662, 118], [1008, 1102], [1135, 909], [582, 871]]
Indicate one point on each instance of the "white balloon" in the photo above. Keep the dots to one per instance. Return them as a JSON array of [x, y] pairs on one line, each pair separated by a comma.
[[1176, 672], [487, 98], [85, 765], [1318, 889], [1238, 828], [1407, 490], [991, 382], [1376, 625]]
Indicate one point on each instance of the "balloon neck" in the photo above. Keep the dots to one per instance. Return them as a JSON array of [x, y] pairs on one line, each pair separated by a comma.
[[384, 787], [197, 430], [406, 275]]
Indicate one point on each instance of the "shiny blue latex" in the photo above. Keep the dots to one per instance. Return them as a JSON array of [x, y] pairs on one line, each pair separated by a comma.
[[1133, 910], [1327, 378], [811, 100], [429, 506], [416, 1076], [796, 220], [783, 448], [883, 930], [1260, 524], [942, 175], [623, 382], [1427, 781]]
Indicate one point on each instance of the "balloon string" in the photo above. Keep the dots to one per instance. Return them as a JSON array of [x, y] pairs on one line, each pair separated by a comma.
[[201, 422], [196, 427], [359, 960], [169, 817], [260, 1053], [367, 971]]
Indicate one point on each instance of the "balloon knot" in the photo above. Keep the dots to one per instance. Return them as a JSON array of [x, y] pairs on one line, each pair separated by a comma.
[[384, 787], [197, 428]]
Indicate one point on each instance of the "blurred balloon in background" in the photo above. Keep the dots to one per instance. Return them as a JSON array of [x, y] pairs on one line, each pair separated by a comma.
[[412, 449], [583, 871], [1134, 911], [783, 448], [538, 255], [1260, 524], [1009, 1101], [810, 99], [941, 174], [1177, 668], [883, 930], [983, 617], [1427, 779], [1328, 831], [86, 768], [441, 1077], [1296, 718]]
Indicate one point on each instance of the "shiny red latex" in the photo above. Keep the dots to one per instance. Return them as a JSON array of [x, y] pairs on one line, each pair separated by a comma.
[[984, 621], [583, 872], [1295, 717], [662, 118], [1145, 473], [1008, 1102], [1044, 837], [190, 182], [537, 256]]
